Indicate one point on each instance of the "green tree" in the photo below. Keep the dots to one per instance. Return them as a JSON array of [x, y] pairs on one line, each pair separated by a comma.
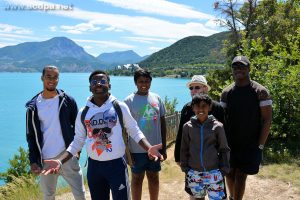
[[170, 105], [19, 166], [272, 43]]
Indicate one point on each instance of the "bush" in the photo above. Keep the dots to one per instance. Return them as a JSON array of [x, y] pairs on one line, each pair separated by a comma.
[[19, 166]]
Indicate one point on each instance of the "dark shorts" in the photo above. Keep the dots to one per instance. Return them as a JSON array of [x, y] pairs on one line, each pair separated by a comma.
[[247, 160], [142, 163]]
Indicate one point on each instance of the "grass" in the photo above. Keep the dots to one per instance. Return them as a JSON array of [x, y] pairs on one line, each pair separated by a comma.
[[21, 188], [287, 172]]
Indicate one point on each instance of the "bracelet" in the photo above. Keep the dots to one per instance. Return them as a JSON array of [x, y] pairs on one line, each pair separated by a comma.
[[59, 162]]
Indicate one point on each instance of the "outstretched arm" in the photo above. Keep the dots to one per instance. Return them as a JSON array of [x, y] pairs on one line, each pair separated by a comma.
[[54, 165]]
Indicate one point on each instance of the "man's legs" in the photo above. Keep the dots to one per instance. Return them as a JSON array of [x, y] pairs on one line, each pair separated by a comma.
[[137, 185], [99, 187], [73, 175], [48, 185], [236, 182], [153, 184]]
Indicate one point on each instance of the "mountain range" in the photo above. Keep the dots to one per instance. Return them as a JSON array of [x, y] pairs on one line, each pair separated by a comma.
[[70, 57], [62, 52]]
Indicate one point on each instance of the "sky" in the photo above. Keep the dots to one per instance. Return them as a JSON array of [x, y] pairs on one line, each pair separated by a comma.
[[104, 26]]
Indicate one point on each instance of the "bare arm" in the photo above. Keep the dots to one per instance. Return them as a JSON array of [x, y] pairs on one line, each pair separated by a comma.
[[266, 113]]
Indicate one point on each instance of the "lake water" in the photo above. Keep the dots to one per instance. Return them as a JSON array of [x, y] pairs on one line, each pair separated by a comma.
[[17, 88]]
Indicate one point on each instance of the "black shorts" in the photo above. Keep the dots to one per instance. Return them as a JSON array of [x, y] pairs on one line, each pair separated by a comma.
[[247, 160]]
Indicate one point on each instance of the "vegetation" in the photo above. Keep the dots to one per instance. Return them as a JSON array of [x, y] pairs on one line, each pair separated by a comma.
[[170, 105], [189, 51], [269, 35], [19, 166]]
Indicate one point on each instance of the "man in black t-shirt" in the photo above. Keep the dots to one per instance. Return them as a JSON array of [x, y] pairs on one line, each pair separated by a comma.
[[248, 116]]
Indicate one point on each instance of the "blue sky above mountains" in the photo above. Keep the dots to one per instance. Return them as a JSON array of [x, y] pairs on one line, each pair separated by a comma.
[[99, 26]]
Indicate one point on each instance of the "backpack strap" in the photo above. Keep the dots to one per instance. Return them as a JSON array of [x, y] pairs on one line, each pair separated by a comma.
[[128, 156], [82, 117]]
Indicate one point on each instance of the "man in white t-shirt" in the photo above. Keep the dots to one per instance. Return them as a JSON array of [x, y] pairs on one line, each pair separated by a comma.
[[50, 123]]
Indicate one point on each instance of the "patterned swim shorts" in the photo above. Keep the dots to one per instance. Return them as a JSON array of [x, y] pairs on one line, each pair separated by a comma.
[[201, 183]]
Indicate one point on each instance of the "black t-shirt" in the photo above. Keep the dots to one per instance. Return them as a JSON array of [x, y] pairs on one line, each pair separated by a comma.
[[243, 120], [186, 113]]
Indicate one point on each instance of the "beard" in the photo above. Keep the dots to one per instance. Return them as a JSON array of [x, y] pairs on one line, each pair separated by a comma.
[[50, 89]]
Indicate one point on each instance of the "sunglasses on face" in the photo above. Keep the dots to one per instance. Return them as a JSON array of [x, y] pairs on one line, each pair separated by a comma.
[[195, 87], [101, 82]]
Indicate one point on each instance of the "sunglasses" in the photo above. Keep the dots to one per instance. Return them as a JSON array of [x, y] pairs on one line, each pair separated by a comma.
[[101, 82], [195, 87]]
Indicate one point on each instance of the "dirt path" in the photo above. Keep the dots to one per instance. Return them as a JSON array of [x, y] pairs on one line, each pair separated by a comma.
[[171, 186]]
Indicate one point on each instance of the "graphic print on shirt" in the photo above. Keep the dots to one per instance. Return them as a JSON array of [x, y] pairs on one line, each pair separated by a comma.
[[148, 113], [99, 128]]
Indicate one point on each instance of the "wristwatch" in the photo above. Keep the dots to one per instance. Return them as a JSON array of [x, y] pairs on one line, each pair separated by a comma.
[[261, 146]]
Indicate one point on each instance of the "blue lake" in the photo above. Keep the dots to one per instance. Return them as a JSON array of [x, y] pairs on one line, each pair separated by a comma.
[[17, 88]]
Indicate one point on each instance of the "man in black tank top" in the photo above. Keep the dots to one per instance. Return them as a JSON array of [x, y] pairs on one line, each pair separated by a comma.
[[248, 115]]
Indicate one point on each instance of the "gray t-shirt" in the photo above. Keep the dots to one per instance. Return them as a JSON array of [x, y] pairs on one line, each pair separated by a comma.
[[147, 111]]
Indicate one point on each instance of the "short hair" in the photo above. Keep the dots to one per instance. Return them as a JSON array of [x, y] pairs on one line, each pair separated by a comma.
[[48, 67], [142, 72], [99, 72], [201, 97]]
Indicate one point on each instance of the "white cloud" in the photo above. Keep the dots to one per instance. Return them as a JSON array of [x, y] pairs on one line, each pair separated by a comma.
[[149, 40], [53, 28], [106, 44], [212, 24], [17, 36], [6, 44], [114, 29], [79, 28], [160, 7], [140, 26], [6, 28]]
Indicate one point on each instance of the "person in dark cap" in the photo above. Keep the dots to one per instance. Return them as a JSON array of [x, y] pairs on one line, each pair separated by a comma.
[[248, 116]]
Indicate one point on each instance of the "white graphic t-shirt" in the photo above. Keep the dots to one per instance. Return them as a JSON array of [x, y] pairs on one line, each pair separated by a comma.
[[103, 135]]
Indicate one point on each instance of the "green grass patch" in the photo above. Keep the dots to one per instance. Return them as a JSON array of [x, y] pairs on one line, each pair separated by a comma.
[[21, 188], [287, 172]]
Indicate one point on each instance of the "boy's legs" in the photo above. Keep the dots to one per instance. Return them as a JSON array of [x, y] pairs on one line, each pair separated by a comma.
[[153, 184], [72, 173], [142, 164], [137, 185]]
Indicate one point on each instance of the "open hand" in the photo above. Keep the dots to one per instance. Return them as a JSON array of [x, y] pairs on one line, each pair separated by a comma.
[[153, 152], [52, 167]]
